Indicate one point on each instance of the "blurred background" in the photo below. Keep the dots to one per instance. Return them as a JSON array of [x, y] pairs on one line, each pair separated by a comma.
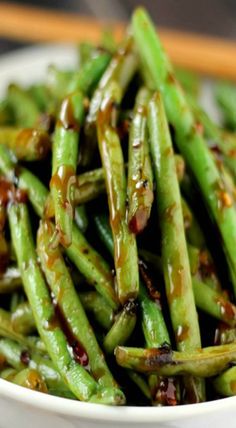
[[214, 17]]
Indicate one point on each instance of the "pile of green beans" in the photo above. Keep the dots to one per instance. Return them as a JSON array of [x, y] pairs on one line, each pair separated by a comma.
[[118, 230]]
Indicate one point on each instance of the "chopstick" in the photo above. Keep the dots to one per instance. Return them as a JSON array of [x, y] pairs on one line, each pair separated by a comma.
[[206, 55]]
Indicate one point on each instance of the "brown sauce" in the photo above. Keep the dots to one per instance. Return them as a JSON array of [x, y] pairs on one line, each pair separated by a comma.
[[67, 118], [227, 309], [148, 281], [79, 353], [9, 193], [139, 221], [62, 180], [159, 357], [182, 333], [167, 393], [25, 357], [176, 278]]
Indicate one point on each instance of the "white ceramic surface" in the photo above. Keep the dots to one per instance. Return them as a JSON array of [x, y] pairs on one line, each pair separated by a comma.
[[22, 408]]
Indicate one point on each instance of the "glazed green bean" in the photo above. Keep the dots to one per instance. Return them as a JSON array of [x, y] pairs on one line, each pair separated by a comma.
[[8, 374], [61, 83], [225, 95], [140, 180], [214, 303], [205, 362], [69, 304], [174, 255], [78, 379], [125, 249], [221, 141], [22, 319], [19, 357], [122, 328], [7, 329], [97, 306], [28, 144], [225, 383], [121, 71], [30, 378], [24, 109], [65, 153], [176, 269]]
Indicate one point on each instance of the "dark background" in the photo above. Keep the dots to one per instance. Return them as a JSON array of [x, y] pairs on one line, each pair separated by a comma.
[[214, 17]]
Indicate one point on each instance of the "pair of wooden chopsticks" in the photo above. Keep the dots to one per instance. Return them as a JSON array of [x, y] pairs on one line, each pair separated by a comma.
[[211, 56]]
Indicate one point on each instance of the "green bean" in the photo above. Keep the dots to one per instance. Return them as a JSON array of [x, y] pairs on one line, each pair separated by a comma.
[[36, 191], [68, 302], [41, 96], [28, 144], [17, 298], [122, 328], [109, 396], [89, 186], [58, 81], [65, 153], [189, 80], [25, 110], [7, 163], [174, 257], [225, 335], [6, 116], [95, 304], [140, 180], [104, 231], [27, 181], [30, 378], [22, 319], [78, 379], [120, 70], [107, 40], [89, 75], [225, 96], [180, 167], [81, 218], [92, 266], [4, 252], [175, 260], [125, 249], [62, 83], [205, 362], [7, 329], [19, 357], [214, 303], [86, 51], [188, 135], [8, 374], [221, 141], [225, 383]]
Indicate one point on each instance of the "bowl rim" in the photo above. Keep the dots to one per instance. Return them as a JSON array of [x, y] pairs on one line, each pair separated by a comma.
[[95, 412]]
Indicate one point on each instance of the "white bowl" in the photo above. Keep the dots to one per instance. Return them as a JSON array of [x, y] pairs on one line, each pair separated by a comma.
[[23, 408]]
